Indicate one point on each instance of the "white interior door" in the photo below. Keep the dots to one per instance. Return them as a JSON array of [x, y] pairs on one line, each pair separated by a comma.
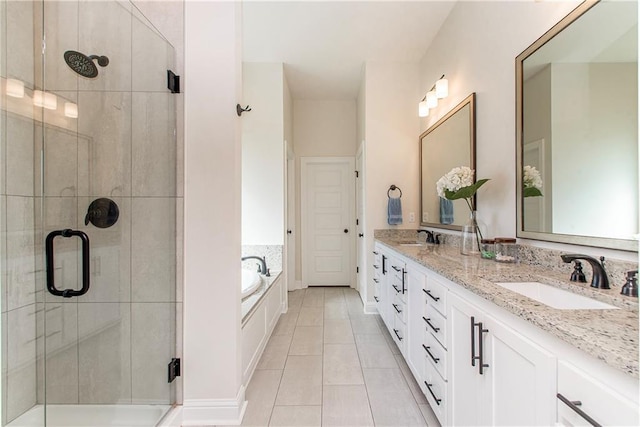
[[327, 213], [360, 245], [291, 222]]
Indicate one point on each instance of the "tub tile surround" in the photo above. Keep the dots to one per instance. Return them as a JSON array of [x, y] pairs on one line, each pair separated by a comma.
[[608, 335]]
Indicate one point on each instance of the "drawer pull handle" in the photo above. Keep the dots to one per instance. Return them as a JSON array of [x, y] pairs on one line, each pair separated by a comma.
[[574, 406], [432, 393], [376, 298], [376, 280], [376, 266], [395, 331], [396, 268], [396, 307], [375, 253], [435, 359], [428, 292], [430, 324], [396, 288]]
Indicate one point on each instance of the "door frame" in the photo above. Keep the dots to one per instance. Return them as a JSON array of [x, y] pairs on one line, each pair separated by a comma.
[[304, 164], [361, 243]]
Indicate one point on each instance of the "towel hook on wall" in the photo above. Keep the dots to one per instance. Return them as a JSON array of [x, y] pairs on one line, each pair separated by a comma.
[[393, 188], [240, 110]]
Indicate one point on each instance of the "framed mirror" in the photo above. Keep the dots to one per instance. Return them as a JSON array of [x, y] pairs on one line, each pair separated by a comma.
[[448, 143], [577, 129]]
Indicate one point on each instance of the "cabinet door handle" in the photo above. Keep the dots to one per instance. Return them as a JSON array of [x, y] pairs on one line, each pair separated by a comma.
[[435, 359], [376, 298], [428, 292], [473, 341], [396, 307], [430, 324], [396, 288], [395, 331], [404, 273], [384, 264], [432, 393], [481, 364], [574, 407]]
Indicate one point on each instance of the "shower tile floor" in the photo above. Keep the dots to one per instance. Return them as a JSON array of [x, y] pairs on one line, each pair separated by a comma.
[[329, 364]]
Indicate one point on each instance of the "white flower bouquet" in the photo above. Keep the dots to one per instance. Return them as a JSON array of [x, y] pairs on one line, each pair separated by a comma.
[[458, 184], [531, 182]]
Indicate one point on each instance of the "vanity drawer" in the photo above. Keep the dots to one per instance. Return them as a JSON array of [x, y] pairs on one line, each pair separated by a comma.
[[436, 294], [435, 389], [398, 332], [399, 308], [435, 355], [605, 405], [436, 325], [396, 288]]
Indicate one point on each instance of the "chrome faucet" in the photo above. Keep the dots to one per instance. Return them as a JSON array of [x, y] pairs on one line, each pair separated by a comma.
[[262, 267], [599, 278]]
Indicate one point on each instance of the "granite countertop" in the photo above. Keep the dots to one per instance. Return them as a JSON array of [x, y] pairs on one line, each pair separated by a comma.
[[609, 335]]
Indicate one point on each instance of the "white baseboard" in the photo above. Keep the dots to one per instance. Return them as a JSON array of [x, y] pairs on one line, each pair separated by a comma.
[[205, 412], [173, 418], [371, 308], [298, 284]]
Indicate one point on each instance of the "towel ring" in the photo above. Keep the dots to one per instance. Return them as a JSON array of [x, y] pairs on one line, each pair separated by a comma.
[[393, 188]]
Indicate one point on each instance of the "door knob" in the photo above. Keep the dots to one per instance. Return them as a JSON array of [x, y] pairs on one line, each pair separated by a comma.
[[288, 231], [346, 230], [360, 235]]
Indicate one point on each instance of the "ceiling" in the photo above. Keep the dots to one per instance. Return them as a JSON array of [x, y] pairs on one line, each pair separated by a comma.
[[325, 44]]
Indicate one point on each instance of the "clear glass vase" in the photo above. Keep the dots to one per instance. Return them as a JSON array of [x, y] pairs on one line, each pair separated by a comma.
[[471, 236]]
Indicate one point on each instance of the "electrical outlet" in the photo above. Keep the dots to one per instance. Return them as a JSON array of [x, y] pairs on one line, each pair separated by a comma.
[[412, 217]]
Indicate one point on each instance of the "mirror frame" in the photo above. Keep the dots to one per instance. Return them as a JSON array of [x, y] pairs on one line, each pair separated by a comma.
[[471, 101], [603, 242]]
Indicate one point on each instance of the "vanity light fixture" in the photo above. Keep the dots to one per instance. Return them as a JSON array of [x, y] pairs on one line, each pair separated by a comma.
[[439, 90], [15, 88], [71, 110]]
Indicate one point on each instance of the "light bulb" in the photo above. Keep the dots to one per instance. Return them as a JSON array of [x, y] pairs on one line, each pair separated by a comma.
[[15, 88], [442, 88], [432, 99], [423, 110]]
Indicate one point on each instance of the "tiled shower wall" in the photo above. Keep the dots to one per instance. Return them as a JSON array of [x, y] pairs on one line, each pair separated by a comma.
[[113, 344]]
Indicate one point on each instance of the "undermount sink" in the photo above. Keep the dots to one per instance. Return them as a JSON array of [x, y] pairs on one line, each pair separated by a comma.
[[413, 244], [555, 297]]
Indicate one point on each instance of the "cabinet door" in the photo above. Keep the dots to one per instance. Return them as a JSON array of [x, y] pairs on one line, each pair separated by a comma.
[[464, 380], [518, 384], [415, 324]]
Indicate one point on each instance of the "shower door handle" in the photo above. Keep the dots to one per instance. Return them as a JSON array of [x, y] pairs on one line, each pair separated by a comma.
[[51, 286]]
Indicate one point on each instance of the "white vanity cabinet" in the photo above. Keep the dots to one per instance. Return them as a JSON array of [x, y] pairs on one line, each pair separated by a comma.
[[498, 376], [478, 364]]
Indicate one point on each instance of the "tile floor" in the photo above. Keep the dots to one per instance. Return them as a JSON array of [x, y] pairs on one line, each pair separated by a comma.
[[329, 364]]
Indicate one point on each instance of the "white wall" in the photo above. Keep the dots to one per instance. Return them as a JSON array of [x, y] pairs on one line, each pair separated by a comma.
[[391, 129], [263, 135], [213, 85], [321, 128]]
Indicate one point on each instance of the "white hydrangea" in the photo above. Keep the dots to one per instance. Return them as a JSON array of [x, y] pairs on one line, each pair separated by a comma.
[[532, 178], [454, 180]]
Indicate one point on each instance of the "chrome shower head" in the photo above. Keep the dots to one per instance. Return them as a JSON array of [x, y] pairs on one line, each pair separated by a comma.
[[83, 64]]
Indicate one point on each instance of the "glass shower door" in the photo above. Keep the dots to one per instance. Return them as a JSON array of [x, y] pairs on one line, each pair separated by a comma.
[[100, 217]]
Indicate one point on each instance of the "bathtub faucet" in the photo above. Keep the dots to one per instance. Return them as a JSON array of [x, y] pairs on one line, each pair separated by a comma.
[[262, 267]]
